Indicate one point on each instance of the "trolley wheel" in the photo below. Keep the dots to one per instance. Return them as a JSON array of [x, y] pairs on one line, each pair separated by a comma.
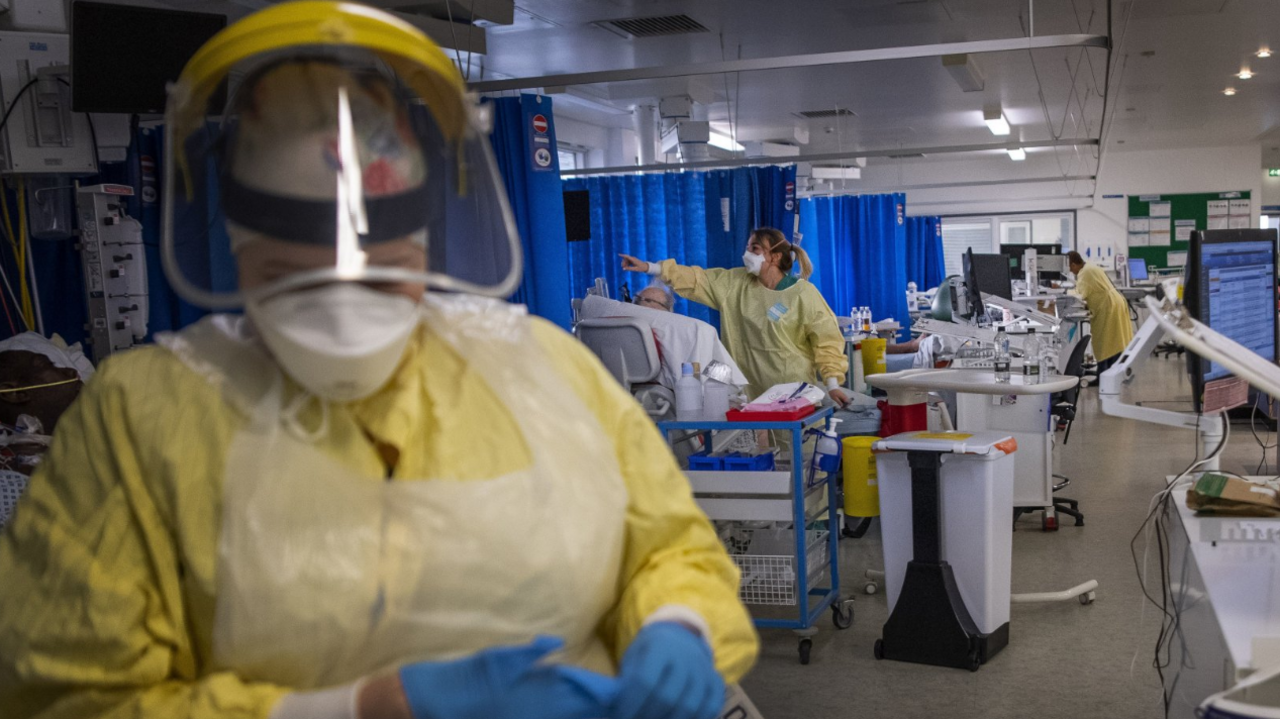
[[1088, 597], [1049, 524], [806, 646], [879, 649], [975, 661], [842, 614], [871, 588]]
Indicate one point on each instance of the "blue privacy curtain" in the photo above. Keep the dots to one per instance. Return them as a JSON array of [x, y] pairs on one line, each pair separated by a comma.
[[653, 217], [695, 218], [924, 252], [858, 248], [523, 128]]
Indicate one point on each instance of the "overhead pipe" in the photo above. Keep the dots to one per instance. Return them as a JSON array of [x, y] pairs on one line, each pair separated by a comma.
[[844, 57], [826, 157]]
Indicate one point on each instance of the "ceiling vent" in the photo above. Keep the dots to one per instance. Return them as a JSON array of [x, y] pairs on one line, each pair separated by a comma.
[[653, 26], [824, 114]]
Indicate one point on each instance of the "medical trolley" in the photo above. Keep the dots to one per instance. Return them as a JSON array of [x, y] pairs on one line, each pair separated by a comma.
[[780, 526]]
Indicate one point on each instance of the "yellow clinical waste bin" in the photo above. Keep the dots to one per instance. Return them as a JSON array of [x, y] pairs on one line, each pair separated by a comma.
[[861, 492], [873, 361]]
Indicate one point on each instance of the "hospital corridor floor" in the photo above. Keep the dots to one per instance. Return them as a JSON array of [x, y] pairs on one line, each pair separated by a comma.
[[1063, 659]]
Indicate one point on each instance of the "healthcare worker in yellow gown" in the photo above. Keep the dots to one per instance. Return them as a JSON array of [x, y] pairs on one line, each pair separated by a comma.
[[1109, 320], [776, 325], [357, 500]]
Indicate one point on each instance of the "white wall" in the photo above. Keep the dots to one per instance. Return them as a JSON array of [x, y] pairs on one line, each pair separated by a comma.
[[1270, 189], [1101, 222], [606, 146], [1217, 169]]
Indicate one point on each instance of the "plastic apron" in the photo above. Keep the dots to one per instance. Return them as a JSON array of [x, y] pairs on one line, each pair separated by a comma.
[[325, 575]]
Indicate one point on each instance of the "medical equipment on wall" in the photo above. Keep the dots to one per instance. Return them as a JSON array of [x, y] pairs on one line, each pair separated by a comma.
[[114, 261], [42, 134]]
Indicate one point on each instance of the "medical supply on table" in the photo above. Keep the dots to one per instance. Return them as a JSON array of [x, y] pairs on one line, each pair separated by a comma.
[[873, 356], [861, 488], [866, 320], [715, 400], [688, 395], [1002, 359], [662, 656], [506, 683], [1032, 351]]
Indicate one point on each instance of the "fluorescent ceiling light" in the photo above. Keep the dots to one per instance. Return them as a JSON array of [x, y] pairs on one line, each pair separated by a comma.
[[995, 120], [1245, 74], [724, 142], [1264, 52], [1229, 91], [1017, 154]]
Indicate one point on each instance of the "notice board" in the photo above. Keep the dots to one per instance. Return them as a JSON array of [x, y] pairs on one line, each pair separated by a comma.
[[1160, 224]]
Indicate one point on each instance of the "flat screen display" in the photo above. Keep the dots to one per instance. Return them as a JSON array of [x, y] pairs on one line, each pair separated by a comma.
[[1138, 269], [1238, 296]]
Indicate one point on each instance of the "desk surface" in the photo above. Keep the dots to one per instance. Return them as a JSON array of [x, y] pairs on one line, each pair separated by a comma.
[[968, 381], [1239, 560]]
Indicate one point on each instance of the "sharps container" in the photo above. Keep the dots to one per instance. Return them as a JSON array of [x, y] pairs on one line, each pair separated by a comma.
[[861, 491]]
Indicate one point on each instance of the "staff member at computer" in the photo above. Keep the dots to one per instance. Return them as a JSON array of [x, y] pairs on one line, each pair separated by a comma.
[[1108, 310], [776, 324]]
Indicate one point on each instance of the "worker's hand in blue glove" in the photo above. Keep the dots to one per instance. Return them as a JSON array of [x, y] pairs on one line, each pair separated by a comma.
[[507, 683], [668, 672]]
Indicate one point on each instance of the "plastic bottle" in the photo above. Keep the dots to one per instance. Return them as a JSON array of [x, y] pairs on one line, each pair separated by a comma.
[[1031, 354], [866, 320], [715, 400], [826, 453], [1048, 359], [688, 395], [1002, 359]]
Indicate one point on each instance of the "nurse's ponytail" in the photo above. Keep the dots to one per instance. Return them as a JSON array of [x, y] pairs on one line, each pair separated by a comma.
[[775, 241]]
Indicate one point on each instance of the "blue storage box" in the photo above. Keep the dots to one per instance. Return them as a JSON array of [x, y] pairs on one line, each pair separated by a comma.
[[703, 462], [743, 462]]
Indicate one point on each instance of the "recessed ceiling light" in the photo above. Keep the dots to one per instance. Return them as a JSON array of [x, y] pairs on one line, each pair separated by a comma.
[[1017, 154], [1245, 74], [1264, 52], [1229, 91]]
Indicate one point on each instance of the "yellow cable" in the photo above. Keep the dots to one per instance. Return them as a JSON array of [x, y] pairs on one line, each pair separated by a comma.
[[40, 386], [26, 247]]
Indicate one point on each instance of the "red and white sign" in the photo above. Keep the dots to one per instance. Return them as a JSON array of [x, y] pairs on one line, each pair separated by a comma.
[[540, 124], [791, 189]]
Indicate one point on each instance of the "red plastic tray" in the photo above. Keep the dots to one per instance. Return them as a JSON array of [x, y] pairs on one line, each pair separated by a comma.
[[737, 415]]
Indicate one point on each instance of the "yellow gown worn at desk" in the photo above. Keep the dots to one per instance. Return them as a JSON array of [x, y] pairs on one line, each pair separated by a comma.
[[107, 571], [1108, 312], [776, 336]]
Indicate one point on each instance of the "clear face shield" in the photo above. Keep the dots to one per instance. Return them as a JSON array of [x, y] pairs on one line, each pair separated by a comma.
[[333, 164]]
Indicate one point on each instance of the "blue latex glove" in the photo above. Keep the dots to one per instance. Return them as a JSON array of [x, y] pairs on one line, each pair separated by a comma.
[[507, 683], [668, 672]]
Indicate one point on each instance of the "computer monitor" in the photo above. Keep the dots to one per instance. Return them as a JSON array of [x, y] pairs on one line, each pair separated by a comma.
[[123, 56], [1231, 286], [1138, 270], [1015, 253], [989, 274]]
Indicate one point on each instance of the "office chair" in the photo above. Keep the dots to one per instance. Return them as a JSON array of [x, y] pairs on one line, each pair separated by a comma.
[[1064, 408]]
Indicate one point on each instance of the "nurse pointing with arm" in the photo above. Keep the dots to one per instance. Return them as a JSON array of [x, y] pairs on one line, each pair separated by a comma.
[[362, 498], [777, 326]]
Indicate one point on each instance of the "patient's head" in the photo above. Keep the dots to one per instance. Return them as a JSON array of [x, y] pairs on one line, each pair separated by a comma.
[[656, 297]]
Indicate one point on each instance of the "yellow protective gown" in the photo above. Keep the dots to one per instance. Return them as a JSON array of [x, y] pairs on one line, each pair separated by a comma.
[[775, 336], [108, 592], [1109, 312]]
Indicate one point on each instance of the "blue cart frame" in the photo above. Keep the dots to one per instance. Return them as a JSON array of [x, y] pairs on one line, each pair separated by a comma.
[[812, 602]]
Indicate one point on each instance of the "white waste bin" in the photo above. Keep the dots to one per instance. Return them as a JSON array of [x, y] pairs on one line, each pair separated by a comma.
[[972, 530]]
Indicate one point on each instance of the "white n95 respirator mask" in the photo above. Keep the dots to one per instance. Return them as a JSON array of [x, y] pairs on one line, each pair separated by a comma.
[[753, 262], [340, 341]]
